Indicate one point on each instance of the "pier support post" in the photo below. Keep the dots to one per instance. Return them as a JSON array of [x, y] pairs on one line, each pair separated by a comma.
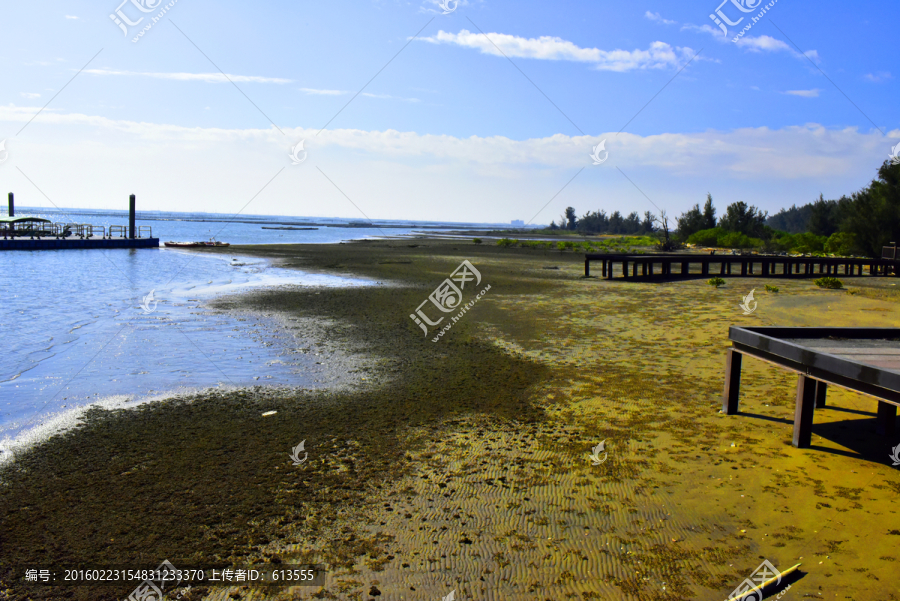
[[12, 205], [887, 419], [803, 413], [731, 394], [131, 233], [821, 393], [587, 268]]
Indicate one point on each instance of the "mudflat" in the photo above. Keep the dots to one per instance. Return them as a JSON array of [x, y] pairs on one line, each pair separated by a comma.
[[465, 464]]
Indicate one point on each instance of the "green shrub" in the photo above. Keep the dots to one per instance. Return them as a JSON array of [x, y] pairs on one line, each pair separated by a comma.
[[807, 243], [771, 288], [840, 243], [829, 282], [476, 240], [738, 240], [716, 282], [506, 242], [706, 237]]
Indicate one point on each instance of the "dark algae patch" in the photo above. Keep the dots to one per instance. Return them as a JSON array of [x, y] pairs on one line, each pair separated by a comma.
[[466, 464]]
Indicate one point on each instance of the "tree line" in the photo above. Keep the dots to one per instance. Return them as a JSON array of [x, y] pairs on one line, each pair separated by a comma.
[[857, 224]]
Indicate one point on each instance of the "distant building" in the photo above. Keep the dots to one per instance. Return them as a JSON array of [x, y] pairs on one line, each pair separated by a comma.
[[518, 223]]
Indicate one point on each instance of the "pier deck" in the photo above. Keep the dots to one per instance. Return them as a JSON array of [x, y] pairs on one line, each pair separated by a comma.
[[864, 360], [675, 266]]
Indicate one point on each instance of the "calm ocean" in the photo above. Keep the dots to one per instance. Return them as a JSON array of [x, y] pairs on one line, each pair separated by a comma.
[[78, 326]]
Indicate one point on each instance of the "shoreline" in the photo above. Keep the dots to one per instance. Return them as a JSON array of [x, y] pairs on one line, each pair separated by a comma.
[[463, 465]]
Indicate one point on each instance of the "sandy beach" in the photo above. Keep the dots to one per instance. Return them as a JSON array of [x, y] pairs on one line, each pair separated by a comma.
[[463, 465]]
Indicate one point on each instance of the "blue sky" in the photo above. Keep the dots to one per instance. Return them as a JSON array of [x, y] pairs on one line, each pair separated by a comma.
[[487, 115]]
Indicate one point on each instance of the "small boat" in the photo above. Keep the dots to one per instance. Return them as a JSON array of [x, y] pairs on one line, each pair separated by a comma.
[[210, 243]]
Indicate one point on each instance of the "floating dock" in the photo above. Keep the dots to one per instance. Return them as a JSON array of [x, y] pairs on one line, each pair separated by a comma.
[[676, 266], [36, 233]]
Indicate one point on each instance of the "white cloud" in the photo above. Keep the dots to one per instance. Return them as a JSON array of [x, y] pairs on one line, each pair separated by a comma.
[[389, 97], [763, 43], [207, 77], [713, 31], [31, 95], [878, 77], [659, 56], [658, 18], [71, 17], [804, 93], [391, 174], [315, 92]]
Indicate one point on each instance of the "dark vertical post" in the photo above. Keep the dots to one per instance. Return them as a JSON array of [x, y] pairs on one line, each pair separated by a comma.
[[12, 205], [732, 382], [743, 267], [722, 269], [634, 265], [624, 268], [704, 267], [887, 419], [587, 267], [765, 268], [821, 393], [131, 216], [803, 413]]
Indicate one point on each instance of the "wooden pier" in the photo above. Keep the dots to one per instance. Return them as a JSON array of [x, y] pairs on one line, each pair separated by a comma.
[[864, 360], [675, 266]]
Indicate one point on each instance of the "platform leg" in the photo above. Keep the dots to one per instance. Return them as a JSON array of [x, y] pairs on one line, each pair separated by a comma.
[[803, 414], [587, 268], [821, 393], [887, 419], [732, 391]]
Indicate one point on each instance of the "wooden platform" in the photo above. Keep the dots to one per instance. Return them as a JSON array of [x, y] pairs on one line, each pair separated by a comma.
[[68, 243], [864, 360], [674, 266]]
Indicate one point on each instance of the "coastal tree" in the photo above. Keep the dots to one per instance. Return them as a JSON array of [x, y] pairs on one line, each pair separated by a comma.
[[616, 223], [872, 215], [744, 219], [570, 218], [709, 213]]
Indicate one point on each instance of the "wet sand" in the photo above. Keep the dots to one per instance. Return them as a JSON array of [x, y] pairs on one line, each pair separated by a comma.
[[464, 464]]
